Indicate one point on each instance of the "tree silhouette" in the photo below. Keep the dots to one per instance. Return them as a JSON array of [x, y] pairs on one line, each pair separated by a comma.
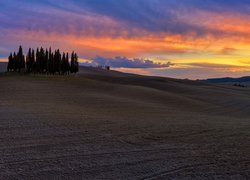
[[46, 61], [10, 63], [33, 65], [14, 60], [43, 61], [20, 59], [37, 62], [74, 65], [29, 61], [67, 64]]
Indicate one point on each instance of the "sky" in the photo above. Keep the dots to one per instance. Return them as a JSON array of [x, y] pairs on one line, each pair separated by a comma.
[[193, 39]]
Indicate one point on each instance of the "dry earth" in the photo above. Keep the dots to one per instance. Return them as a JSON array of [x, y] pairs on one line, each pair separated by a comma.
[[3, 67], [110, 125]]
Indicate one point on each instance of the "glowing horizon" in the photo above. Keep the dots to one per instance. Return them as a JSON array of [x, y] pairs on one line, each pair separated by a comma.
[[202, 39]]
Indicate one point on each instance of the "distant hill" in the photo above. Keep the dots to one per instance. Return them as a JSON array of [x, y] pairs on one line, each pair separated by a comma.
[[227, 80]]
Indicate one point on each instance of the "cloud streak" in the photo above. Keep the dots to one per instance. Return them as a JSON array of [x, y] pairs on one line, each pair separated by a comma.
[[123, 62], [115, 18]]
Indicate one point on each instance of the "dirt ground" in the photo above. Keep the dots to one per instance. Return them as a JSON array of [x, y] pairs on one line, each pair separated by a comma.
[[110, 125]]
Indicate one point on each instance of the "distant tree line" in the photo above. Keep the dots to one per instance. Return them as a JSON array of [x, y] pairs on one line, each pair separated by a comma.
[[43, 61], [239, 85]]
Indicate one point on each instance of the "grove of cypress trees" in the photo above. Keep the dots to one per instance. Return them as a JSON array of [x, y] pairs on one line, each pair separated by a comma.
[[43, 61]]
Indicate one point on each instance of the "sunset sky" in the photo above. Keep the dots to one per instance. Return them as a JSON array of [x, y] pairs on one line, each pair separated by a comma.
[[177, 38]]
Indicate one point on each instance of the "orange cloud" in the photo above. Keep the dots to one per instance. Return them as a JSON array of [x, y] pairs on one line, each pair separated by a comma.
[[232, 36], [227, 51]]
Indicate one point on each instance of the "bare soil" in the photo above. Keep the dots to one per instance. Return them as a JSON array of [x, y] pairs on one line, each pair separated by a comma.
[[111, 125]]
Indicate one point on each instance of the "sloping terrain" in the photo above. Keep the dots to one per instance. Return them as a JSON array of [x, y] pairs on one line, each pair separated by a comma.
[[3, 67], [242, 80], [110, 125]]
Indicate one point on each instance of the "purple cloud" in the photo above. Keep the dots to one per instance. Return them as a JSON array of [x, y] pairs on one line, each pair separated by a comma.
[[98, 17], [123, 62]]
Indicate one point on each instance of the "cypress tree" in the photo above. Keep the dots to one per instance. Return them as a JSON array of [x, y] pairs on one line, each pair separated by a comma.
[[14, 60], [63, 64], [49, 62], [10, 63], [53, 63], [29, 61], [46, 61], [76, 63], [21, 59], [32, 61], [67, 64], [22, 62], [37, 64], [42, 60], [58, 60], [72, 62]]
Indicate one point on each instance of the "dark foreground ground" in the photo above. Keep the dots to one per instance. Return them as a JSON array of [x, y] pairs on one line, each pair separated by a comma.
[[108, 125]]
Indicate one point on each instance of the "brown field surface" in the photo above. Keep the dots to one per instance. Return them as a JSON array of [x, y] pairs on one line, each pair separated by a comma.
[[111, 125], [3, 67]]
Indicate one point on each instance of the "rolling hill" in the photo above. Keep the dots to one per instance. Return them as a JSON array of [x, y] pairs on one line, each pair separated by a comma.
[[102, 124], [228, 80]]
